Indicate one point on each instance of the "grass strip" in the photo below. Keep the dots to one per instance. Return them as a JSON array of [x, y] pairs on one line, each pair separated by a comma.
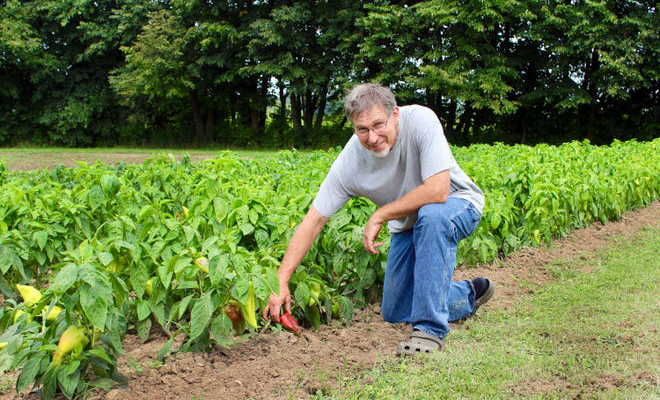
[[584, 336]]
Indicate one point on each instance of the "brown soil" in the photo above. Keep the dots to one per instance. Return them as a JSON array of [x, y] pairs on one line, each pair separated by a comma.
[[27, 161], [274, 366]]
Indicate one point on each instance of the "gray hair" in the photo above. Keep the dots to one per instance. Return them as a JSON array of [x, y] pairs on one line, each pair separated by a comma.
[[367, 95]]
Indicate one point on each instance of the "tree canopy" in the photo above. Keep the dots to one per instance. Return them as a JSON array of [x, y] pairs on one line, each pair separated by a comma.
[[272, 73]]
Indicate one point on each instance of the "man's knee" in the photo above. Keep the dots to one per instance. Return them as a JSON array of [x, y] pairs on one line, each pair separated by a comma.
[[432, 215]]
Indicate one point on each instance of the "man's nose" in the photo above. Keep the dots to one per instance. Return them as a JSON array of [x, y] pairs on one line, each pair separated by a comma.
[[373, 136]]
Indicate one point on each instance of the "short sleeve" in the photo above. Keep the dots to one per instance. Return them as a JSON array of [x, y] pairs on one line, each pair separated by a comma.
[[434, 153], [331, 195]]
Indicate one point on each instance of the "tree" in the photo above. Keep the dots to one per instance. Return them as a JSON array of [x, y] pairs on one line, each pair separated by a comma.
[[56, 56], [307, 47], [600, 54], [455, 51]]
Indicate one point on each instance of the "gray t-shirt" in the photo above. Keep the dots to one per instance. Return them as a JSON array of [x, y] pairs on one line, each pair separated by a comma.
[[421, 151]]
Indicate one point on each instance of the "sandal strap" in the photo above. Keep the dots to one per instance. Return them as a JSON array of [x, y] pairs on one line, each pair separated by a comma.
[[424, 335]]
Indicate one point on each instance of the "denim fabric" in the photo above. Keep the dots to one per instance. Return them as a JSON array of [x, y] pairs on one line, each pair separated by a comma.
[[418, 278]]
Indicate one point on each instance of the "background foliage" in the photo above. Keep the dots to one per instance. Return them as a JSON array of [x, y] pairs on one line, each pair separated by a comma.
[[271, 73]]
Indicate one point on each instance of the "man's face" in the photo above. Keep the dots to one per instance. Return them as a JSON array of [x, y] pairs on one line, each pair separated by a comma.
[[376, 130]]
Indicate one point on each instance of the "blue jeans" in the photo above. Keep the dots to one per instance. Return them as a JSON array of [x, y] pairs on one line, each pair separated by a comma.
[[418, 285]]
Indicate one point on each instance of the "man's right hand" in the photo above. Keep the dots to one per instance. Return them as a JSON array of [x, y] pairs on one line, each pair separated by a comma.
[[275, 304]]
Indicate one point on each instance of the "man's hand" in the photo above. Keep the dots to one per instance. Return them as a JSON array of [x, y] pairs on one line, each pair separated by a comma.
[[275, 304], [371, 230]]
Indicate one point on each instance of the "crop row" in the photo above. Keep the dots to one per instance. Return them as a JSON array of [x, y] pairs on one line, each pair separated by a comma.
[[193, 248]]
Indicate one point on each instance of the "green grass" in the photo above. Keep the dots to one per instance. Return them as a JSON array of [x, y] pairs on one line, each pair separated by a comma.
[[587, 336]]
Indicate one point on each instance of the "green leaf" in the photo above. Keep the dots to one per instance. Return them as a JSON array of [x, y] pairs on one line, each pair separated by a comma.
[[166, 349], [218, 268], [189, 233], [165, 274], [144, 328], [241, 288], [49, 388], [95, 197], [302, 293], [181, 263], [346, 309], [106, 258], [314, 316], [495, 220], [110, 184], [143, 310], [246, 228], [66, 277], [69, 382], [9, 258], [139, 278], [29, 372], [159, 312], [220, 208], [99, 352], [253, 216], [183, 305], [261, 289], [273, 281], [262, 238], [221, 327], [201, 315], [94, 305], [41, 238]]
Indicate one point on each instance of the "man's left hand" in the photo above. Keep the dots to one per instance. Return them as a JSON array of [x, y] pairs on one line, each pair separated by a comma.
[[374, 224]]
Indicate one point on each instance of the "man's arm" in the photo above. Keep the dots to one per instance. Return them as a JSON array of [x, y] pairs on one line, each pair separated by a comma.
[[435, 189], [302, 240]]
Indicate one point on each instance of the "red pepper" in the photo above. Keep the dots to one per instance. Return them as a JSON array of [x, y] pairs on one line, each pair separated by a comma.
[[288, 322]]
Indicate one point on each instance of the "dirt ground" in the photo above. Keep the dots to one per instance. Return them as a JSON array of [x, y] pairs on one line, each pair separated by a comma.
[[280, 366], [27, 161]]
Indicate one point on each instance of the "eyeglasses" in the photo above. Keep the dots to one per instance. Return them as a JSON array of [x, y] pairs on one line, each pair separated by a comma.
[[378, 127]]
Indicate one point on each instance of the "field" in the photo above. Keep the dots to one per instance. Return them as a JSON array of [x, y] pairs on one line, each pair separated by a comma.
[[259, 364]]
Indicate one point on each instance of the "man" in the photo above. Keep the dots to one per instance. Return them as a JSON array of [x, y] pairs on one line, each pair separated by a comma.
[[399, 158]]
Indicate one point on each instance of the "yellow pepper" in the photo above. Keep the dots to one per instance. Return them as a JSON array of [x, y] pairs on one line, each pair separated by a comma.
[[54, 312], [250, 307], [70, 339], [21, 312], [203, 264], [315, 292], [149, 286], [29, 294], [3, 345]]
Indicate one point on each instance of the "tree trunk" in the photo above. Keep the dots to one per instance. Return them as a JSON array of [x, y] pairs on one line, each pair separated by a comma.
[[450, 126], [593, 93], [323, 99], [254, 115], [263, 104], [197, 118], [523, 125], [343, 122], [210, 124], [310, 107], [295, 112], [283, 97], [463, 127]]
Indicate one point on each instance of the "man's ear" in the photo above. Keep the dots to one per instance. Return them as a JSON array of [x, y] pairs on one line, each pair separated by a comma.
[[395, 112]]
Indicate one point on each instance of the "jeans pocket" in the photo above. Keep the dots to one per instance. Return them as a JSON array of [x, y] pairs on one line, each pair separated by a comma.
[[476, 217]]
